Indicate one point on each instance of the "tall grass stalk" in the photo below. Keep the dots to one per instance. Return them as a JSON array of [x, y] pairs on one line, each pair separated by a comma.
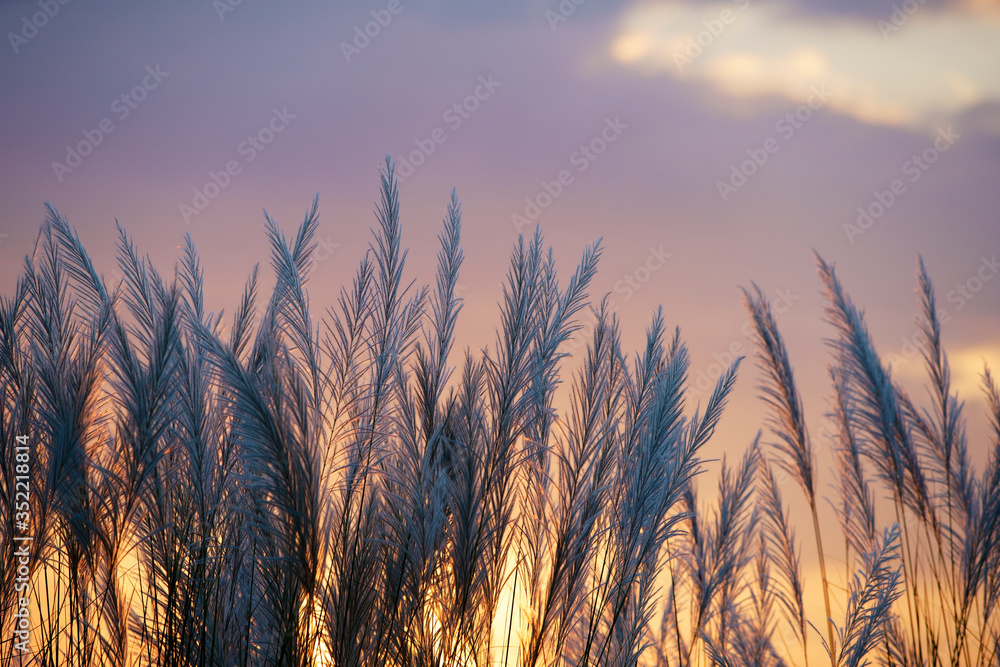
[[278, 488], [787, 421]]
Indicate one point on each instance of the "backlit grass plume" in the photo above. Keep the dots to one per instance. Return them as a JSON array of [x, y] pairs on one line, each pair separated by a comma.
[[352, 486]]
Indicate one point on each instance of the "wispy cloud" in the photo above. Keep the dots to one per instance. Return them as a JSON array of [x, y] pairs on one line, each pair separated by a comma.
[[967, 365], [926, 68]]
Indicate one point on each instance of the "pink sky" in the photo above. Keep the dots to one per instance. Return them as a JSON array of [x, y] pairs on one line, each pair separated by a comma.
[[641, 108]]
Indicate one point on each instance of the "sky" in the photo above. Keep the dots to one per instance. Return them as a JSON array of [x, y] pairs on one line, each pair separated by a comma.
[[708, 144]]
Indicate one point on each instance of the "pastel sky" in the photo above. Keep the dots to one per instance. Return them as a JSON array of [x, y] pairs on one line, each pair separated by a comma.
[[709, 144]]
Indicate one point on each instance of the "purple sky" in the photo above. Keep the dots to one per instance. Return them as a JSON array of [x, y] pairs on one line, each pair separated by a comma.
[[685, 114]]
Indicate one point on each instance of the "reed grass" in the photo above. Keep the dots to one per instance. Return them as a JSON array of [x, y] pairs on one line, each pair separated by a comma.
[[274, 489]]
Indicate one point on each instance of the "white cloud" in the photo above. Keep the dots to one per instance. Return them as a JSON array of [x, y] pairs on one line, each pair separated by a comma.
[[918, 73], [967, 367]]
